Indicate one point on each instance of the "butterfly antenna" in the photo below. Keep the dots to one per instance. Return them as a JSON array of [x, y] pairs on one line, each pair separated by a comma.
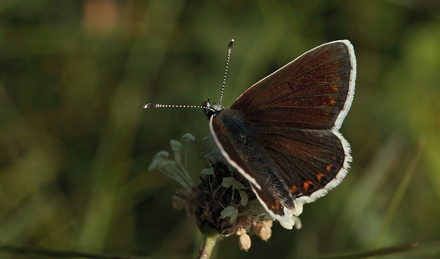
[[156, 105], [226, 69], [208, 107]]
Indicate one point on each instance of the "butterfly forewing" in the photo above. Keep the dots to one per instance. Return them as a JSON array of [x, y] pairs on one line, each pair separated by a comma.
[[308, 92]]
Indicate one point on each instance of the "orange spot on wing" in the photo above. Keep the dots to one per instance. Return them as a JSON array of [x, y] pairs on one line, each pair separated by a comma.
[[307, 185], [293, 189], [329, 167], [276, 206], [332, 101], [319, 176]]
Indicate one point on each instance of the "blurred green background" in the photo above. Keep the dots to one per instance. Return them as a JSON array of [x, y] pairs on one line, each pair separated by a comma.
[[75, 143]]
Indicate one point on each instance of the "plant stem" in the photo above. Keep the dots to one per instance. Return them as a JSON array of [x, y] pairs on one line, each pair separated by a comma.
[[207, 246]]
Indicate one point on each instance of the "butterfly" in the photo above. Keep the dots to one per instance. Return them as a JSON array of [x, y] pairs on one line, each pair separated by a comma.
[[282, 134]]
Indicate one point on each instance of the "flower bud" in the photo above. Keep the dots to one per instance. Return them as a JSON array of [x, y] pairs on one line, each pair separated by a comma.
[[244, 241]]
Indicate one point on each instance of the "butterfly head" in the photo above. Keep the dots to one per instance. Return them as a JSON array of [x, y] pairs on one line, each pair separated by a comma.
[[212, 109]]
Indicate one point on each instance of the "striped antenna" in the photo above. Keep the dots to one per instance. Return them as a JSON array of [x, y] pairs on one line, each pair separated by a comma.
[[156, 105], [207, 106], [226, 70]]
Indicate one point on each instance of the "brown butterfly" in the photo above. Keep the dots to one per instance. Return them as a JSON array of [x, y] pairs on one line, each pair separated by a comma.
[[282, 133]]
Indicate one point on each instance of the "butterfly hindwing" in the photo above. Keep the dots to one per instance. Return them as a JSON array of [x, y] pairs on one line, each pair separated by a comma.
[[310, 162]]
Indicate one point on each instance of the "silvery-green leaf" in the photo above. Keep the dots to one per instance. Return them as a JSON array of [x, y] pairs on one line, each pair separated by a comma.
[[208, 171], [229, 212], [161, 155], [188, 137], [243, 198], [228, 181], [238, 186], [175, 145]]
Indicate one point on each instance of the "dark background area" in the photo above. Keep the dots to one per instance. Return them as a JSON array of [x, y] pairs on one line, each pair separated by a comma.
[[75, 143]]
